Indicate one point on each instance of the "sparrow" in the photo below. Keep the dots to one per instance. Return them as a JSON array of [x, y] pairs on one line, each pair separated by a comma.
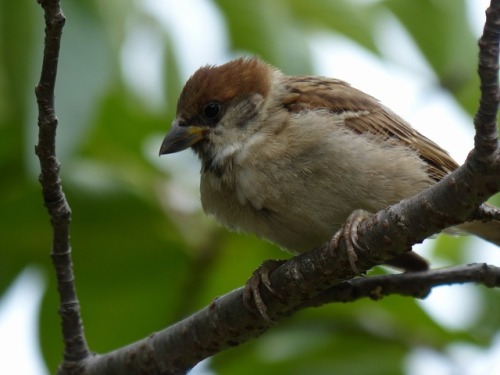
[[289, 158]]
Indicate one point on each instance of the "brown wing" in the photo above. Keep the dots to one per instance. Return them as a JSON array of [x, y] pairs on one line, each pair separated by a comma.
[[364, 113]]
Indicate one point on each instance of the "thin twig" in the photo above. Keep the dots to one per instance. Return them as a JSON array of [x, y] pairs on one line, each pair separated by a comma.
[[485, 121], [411, 284], [75, 345]]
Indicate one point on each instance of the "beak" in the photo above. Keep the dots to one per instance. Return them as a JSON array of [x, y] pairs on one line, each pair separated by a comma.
[[181, 137]]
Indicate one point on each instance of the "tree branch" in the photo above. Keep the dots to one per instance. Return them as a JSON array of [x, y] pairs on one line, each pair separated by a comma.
[[411, 284], [75, 346], [226, 323], [485, 121]]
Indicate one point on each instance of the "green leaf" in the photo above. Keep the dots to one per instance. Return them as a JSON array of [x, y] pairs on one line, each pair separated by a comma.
[[267, 29], [347, 18], [442, 32]]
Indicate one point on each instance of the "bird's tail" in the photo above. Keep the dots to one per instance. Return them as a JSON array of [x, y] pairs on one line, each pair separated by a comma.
[[489, 231]]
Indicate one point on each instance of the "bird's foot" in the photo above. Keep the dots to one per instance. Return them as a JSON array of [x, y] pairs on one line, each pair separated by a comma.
[[349, 232], [252, 288]]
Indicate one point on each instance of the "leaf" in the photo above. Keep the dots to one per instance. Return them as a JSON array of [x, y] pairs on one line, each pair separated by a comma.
[[266, 29], [353, 20], [441, 31]]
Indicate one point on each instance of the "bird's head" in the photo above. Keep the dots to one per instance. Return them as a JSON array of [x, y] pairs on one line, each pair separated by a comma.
[[217, 106]]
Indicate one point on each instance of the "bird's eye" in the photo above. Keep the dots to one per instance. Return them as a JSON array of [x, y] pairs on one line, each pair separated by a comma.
[[212, 111]]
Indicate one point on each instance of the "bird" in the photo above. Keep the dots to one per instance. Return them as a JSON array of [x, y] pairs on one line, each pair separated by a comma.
[[289, 158]]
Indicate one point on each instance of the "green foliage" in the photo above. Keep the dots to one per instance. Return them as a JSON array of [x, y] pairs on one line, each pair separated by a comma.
[[445, 41], [140, 264]]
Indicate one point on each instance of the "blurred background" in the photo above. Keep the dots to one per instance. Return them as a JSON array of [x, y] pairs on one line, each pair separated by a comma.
[[145, 256]]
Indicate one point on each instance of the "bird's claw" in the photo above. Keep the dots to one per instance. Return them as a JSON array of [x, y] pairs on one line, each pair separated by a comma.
[[252, 288], [349, 232]]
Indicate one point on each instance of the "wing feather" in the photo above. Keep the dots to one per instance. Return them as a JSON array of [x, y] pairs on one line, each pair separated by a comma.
[[363, 113]]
